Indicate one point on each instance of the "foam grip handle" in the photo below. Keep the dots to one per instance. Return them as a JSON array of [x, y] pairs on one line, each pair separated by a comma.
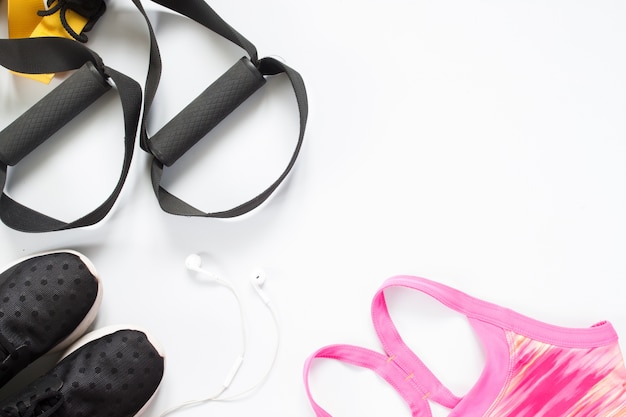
[[206, 111], [51, 113]]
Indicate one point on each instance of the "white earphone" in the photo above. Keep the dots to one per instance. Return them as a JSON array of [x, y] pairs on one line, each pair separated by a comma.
[[258, 279], [193, 263]]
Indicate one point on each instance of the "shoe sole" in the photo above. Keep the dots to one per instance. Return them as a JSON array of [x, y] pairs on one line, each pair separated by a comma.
[[93, 311], [103, 331]]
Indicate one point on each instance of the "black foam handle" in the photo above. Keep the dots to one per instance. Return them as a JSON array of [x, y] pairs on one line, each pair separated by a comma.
[[51, 113], [206, 111]]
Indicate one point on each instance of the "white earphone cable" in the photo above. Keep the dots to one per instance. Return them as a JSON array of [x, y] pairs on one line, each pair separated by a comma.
[[267, 373], [193, 263]]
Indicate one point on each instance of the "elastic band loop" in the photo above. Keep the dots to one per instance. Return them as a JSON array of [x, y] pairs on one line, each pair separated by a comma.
[[200, 12], [48, 55]]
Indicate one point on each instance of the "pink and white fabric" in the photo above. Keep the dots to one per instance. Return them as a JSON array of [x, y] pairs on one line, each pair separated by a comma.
[[533, 369]]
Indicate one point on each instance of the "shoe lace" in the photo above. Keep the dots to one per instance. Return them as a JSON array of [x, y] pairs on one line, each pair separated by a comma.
[[43, 406], [91, 9]]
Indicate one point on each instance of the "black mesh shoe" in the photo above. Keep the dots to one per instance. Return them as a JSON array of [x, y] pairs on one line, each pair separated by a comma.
[[108, 373], [47, 301]]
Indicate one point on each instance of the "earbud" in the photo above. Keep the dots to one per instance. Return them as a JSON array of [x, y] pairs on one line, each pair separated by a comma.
[[193, 262], [258, 279]]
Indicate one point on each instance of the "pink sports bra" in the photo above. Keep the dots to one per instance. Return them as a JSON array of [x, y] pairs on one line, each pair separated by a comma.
[[533, 369]]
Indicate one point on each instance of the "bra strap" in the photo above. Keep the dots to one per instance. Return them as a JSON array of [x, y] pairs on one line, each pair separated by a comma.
[[407, 386], [50, 55], [212, 106], [396, 347]]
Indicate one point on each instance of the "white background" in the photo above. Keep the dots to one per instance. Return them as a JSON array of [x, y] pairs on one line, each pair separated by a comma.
[[477, 143]]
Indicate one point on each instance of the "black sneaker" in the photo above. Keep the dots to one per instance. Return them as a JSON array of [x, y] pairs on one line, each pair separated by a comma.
[[108, 373], [47, 301]]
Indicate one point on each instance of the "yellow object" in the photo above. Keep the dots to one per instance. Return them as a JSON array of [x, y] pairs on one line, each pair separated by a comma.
[[22, 16], [24, 22]]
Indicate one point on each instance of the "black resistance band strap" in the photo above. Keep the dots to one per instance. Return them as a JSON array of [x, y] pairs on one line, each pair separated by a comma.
[[210, 107], [36, 125]]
